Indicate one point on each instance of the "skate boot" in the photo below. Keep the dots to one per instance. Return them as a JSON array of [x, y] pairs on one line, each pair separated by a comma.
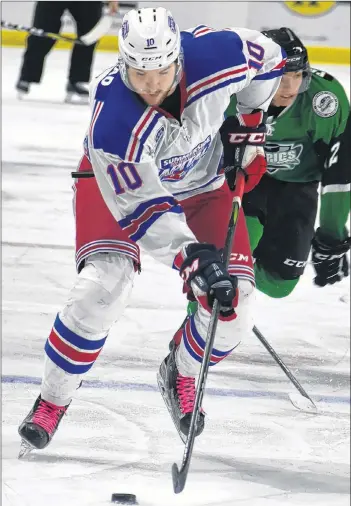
[[39, 426], [179, 394], [77, 93], [22, 88]]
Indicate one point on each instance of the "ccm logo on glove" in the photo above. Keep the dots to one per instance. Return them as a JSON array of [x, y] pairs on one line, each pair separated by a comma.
[[250, 138], [191, 269]]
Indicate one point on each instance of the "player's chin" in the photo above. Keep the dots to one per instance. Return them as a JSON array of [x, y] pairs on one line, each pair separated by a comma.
[[153, 99], [284, 101]]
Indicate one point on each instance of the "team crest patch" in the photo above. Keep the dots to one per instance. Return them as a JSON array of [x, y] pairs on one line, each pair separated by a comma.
[[125, 29], [177, 167], [171, 24], [325, 104]]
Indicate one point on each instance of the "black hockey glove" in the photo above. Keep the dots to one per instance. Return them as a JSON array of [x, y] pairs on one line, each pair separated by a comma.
[[329, 259], [243, 137], [203, 266]]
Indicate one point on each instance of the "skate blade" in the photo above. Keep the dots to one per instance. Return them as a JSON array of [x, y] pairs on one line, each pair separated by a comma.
[[169, 407], [25, 449], [73, 98]]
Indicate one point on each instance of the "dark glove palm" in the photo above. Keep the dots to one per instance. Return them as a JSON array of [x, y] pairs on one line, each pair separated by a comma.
[[329, 259]]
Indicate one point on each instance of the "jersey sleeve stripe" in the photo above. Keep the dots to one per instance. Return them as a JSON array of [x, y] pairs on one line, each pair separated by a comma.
[[204, 31], [273, 74], [335, 188], [215, 78], [209, 89], [135, 134], [146, 133], [97, 110], [255, 65], [141, 132], [200, 28]]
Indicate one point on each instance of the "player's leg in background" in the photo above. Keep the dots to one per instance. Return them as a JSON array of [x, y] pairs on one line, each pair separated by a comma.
[[47, 16], [282, 252], [86, 16], [106, 263], [255, 209]]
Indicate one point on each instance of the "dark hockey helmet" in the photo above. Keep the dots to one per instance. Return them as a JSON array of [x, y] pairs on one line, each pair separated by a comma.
[[297, 58]]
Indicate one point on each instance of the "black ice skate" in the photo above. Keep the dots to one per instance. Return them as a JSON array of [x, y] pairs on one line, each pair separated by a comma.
[[77, 93], [179, 393], [23, 88], [40, 425]]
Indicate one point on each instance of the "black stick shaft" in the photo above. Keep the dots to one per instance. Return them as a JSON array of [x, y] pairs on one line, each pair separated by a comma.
[[38, 32], [180, 476]]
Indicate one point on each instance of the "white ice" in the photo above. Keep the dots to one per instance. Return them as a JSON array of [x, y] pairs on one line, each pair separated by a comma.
[[257, 449]]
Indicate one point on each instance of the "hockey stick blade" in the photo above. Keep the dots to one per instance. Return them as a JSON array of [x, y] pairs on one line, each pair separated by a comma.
[[179, 479], [303, 403], [99, 30]]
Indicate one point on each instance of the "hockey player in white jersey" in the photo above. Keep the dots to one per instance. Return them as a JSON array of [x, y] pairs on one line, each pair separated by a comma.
[[157, 146]]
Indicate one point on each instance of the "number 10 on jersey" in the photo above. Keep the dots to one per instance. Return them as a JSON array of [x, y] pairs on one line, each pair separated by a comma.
[[124, 175]]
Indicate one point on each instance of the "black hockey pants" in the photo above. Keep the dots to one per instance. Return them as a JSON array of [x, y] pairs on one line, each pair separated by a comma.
[[47, 16]]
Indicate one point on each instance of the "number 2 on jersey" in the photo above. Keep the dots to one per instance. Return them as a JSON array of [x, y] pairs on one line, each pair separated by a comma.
[[124, 175], [334, 154]]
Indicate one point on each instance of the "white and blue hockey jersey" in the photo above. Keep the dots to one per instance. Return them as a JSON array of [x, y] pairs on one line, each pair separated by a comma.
[[146, 162]]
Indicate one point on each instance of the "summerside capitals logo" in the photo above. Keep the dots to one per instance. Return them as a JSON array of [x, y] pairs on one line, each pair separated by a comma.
[[177, 167]]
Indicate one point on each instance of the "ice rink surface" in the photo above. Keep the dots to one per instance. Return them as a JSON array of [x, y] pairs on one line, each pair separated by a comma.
[[257, 449]]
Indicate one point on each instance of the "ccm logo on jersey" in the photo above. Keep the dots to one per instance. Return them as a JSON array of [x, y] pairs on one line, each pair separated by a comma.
[[250, 138], [188, 270]]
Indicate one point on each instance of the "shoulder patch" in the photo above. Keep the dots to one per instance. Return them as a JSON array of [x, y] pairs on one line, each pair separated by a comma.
[[325, 104]]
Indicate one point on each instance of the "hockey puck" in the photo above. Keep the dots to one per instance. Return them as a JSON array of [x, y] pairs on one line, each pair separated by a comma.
[[124, 498]]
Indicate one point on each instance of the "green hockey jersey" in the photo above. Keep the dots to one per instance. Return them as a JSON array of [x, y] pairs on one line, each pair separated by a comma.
[[309, 141]]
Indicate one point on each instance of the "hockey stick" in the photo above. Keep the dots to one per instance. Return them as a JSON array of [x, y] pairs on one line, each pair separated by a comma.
[[296, 401], [180, 475], [100, 29]]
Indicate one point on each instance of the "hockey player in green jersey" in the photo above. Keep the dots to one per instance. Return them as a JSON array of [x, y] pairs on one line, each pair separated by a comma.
[[308, 143], [308, 146]]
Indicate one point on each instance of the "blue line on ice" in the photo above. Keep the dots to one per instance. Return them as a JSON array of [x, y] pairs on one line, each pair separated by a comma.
[[144, 387]]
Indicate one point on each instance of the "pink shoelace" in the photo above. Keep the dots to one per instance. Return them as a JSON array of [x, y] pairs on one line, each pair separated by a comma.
[[47, 415], [186, 393]]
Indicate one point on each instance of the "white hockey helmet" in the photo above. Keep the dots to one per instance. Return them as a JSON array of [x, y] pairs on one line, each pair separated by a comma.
[[149, 39]]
